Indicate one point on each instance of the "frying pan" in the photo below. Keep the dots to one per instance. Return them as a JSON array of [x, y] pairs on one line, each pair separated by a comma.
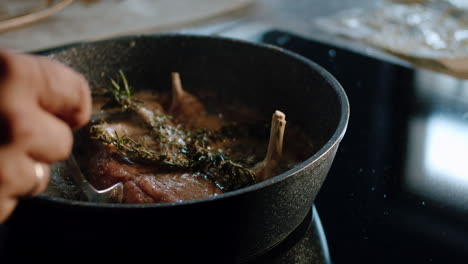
[[232, 227]]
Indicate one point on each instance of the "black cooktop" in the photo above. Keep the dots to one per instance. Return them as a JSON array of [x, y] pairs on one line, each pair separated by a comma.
[[398, 189], [307, 244]]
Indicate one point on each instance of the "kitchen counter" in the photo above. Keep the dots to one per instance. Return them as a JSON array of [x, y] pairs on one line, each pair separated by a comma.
[[293, 16]]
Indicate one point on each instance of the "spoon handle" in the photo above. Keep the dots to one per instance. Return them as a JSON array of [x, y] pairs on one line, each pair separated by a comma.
[[113, 194], [79, 178]]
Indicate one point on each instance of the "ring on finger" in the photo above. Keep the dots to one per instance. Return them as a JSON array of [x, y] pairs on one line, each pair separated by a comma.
[[39, 172]]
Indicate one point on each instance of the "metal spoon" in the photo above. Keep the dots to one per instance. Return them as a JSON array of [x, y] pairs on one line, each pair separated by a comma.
[[113, 194]]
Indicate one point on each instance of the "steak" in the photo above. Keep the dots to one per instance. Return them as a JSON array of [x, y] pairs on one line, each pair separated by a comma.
[[180, 154]]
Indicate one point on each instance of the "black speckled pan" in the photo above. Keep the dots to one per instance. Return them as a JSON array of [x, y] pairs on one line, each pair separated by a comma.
[[232, 227]]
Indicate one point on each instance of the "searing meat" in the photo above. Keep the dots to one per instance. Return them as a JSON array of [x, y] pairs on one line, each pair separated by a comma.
[[180, 154], [145, 183], [170, 187]]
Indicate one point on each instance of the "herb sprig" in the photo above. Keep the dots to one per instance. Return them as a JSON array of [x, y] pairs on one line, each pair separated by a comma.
[[194, 155]]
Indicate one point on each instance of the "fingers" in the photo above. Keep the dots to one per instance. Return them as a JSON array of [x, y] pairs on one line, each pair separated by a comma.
[[41, 101], [7, 205], [67, 94], [55, 87], [21, 176], [44, 137], [40, 139]]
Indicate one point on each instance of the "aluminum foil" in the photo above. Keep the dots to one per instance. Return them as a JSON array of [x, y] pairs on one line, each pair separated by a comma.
[[430, 29]]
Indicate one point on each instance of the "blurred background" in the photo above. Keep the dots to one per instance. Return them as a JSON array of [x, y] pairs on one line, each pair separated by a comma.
[[430, 33]]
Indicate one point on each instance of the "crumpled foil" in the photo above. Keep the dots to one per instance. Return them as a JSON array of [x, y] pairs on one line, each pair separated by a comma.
[[431, 29]]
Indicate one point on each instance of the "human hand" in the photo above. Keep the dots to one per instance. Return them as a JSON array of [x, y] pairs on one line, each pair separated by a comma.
[[41, 101]]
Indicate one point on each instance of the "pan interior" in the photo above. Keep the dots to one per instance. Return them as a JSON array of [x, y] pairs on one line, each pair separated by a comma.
[[260, 77]]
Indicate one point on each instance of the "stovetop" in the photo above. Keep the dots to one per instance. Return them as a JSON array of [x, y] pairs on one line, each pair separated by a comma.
[[398, 189], [307, 244]]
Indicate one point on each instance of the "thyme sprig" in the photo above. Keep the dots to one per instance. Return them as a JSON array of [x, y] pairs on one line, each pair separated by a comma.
[[120, 96], [194, 155], [227, 174], [136, 151]]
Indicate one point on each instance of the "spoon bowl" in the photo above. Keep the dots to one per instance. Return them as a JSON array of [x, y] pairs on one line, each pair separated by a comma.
[[113, 194]]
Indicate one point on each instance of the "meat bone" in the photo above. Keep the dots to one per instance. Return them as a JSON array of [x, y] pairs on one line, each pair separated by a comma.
[[269, 167]]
